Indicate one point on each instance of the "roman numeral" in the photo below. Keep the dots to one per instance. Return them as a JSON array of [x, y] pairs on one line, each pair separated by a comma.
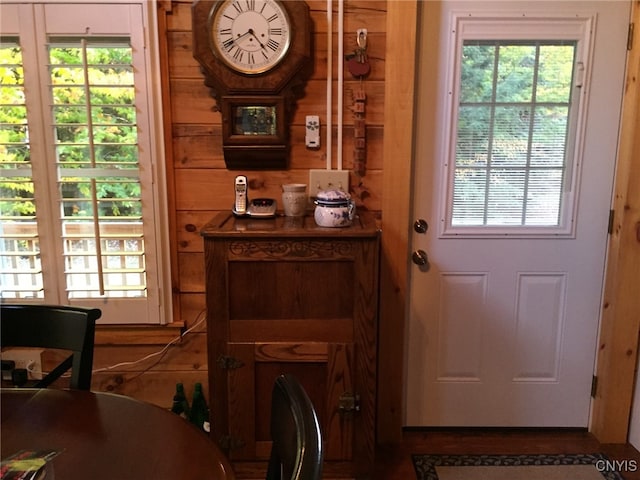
[[237, 6], [272, 18], [251, 4], [275, 31], [228, 44], [225, 31], [238, 54], [272, 44], [251, 59]]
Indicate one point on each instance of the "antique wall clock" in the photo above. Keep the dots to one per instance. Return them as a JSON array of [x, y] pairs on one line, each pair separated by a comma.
[[256, 57]]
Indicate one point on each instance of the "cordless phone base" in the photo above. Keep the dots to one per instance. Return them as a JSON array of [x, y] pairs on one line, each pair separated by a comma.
[[258, 208]]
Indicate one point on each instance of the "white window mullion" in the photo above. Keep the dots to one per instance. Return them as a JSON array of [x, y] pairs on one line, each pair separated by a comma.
[[34, 54], [149, 98], [92, 159], [492, 118], [532, 114]]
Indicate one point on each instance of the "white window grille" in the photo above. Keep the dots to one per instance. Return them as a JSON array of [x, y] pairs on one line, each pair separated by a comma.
[[516, 109], [79, 204]]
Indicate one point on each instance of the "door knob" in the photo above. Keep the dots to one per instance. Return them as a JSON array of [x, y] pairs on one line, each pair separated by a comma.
[[419, 257], [420, 226]]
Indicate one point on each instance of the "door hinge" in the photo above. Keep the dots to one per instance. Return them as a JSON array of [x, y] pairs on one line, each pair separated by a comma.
[[594, 386], [630, 36], [349, 403], [227, 362], [612, 215]]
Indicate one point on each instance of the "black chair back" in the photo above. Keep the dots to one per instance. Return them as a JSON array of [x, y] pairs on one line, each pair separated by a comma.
[[297, 452], [55, 327]]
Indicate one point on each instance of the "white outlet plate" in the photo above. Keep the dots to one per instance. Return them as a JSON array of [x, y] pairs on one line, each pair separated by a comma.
[[28, 358], [328, 180]]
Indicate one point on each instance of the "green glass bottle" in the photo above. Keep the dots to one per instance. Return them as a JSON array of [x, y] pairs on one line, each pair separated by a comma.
[[180, 404], [199, 411], [176, 406]]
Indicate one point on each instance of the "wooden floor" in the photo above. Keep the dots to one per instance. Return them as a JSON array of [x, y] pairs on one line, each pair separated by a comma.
[[393, 462]]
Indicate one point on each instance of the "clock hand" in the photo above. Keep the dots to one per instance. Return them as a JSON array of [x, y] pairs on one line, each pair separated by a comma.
[[234, 42], [248, 32], [256, 37], [240, 37]]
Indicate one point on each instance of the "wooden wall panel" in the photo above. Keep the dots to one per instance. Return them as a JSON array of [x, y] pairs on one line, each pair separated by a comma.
[[155, 387], [193, 312], [181, 62], [123, 369], [185, 354], [191, 272], [199, 184], [197, 146], [204, 189], [179, 16], [397, 165], [191, 102], [189, 224]]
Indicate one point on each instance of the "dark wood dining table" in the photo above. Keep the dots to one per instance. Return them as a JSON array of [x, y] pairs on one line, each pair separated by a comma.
[[107, 436]]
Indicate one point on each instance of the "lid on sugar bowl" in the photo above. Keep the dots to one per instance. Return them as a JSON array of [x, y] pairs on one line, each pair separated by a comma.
[[330, 198]]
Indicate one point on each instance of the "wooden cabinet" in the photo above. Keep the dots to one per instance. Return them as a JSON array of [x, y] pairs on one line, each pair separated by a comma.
[[284, 295]]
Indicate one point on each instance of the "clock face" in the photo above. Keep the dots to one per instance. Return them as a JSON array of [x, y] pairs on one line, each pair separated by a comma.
[[250, 36]]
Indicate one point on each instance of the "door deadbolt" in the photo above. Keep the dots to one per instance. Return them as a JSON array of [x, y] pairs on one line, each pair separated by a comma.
[[420, 226]]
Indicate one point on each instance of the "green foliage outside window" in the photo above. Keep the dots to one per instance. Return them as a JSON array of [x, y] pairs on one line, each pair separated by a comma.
[[94, 121]]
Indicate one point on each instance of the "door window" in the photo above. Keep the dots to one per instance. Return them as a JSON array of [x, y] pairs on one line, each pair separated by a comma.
[[514, 146]]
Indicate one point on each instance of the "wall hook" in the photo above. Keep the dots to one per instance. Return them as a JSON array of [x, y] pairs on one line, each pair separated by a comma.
[[361, 38]]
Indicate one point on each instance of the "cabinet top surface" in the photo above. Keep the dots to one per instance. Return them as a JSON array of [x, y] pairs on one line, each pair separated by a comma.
[[226, 225]]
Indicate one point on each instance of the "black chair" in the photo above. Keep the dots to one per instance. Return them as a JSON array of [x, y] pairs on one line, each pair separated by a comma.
[[296, 452], [53, 327]]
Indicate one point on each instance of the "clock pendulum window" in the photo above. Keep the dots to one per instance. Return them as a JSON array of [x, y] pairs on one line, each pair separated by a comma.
[[254, 56]]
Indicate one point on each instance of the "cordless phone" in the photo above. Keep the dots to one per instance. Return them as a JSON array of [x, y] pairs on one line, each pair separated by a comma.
[[256, 208], [240, 205]]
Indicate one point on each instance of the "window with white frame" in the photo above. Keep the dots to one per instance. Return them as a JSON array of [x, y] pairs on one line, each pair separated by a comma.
[[79, 205], [516, 109]]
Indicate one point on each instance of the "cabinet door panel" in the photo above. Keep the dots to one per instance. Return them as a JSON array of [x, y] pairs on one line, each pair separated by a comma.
[[241, 402], [323, 369], [291, 289], [338, 429]]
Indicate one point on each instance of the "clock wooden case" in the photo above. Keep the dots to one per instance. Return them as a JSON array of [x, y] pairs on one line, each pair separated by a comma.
[[256, 58]]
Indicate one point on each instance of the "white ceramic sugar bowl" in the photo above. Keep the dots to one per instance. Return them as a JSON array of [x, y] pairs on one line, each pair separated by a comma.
[[334, 208]]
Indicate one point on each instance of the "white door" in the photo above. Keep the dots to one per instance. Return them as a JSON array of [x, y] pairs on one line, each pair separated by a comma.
[[504, 315]]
